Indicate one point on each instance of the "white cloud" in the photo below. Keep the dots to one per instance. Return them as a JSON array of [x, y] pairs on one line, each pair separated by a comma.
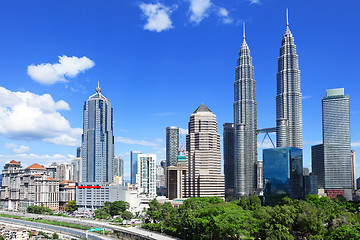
[[70, 67], [355, 144], [10, 145], [28, 116], [254, 1], [183, 131], [28, 159], [224, 15], [165, 114], [306, 97], [158, 17], [21, 149], [199, 10], [135, 142]]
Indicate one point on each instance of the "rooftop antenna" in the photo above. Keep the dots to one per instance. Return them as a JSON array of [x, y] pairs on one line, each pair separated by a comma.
[[244, 30], [98, 89], [287, 17]]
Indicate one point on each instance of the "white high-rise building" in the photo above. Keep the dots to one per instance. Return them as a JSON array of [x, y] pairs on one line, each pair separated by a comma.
[[146, 174], [63, 172], [97, 151], [118, 166], [76, 173]]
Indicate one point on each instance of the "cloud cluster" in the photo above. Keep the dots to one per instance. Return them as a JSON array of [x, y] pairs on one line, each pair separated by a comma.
[[254, 1], [16, 149], [224, 15], [199, 9], [158, 17], [28, 116], [70, 67], [28, 159], [135, 142]]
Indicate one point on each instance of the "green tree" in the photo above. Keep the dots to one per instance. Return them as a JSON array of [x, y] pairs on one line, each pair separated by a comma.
[[71, 206], [43, 234], [55, 236], [102, 213], [117, 207], [346, 233], [126, 215]]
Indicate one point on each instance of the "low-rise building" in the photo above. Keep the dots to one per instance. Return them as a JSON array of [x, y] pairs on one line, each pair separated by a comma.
[[33, 186]]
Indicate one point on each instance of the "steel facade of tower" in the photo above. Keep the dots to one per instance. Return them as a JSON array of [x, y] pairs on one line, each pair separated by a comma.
[[203, 178], [245, 124], [97, 151], [172, 145], [337, 145], [288, 98]]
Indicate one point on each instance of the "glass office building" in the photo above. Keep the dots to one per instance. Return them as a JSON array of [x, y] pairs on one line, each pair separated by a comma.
[[134, 165], [283, 172], [97, 149]]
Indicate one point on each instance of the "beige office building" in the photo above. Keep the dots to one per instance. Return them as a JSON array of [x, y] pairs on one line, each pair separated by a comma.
[[204, 178], [176, 181]]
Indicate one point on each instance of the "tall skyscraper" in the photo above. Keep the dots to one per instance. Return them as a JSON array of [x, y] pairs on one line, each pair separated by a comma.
[[229, 166], [97, 151], [172, 145], [146, 177], [288, 98], [245, 123], [118, 166], [134, 165], [333, 166], [204, 178]]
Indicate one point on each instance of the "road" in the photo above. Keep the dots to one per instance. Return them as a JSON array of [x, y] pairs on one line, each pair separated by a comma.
[[68, 231], [144, 234]]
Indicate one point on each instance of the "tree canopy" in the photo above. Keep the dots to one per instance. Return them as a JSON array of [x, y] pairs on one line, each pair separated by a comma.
[[247, 218], [71, 206]]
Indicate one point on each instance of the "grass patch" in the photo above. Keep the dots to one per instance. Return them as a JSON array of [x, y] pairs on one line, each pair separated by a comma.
[[9, 216], [62, 224]]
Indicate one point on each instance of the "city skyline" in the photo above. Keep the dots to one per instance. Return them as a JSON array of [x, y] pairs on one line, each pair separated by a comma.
[[136, 68]]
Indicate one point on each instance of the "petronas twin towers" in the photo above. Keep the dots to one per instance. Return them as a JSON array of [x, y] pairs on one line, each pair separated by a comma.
[[288, 111]]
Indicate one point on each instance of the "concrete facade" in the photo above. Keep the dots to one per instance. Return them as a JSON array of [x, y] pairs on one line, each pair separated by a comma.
[[204, 176]]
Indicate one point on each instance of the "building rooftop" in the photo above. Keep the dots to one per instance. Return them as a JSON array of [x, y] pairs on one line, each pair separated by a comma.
[[14, 162], [36, 166], [52, 179], [67, 181], [202, 108]]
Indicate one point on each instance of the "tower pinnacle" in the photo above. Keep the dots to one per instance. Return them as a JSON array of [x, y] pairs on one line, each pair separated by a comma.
[[287, 17], [244, 30], [98, 89]]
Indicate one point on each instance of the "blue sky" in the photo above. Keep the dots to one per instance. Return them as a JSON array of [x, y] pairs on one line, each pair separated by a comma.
[[157, 61]]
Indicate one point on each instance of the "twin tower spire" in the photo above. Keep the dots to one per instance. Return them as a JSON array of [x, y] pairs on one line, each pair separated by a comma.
[[288, 110]]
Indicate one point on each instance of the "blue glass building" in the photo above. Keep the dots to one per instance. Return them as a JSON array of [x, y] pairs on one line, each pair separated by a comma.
[[97, 149], [283, 172], [133, 165]]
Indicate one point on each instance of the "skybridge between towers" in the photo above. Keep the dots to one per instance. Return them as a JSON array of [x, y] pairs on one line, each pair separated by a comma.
[[266, 131]]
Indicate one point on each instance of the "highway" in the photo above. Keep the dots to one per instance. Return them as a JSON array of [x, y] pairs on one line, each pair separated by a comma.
[[129, 232], [69, 231]]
